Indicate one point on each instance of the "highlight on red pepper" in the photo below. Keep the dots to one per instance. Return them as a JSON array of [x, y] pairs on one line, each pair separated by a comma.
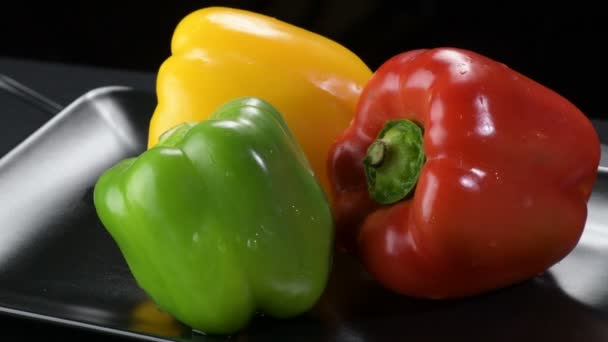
[[459, 175]]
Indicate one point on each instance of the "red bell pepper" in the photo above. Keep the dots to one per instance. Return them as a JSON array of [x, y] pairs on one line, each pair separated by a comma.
[[459, 175]]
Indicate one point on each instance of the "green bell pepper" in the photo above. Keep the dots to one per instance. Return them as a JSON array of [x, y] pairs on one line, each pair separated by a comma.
[[222, 219]]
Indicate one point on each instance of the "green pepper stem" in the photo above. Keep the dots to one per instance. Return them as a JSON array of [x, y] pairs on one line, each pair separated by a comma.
[[376, 153], [394, 160], [172, 136]]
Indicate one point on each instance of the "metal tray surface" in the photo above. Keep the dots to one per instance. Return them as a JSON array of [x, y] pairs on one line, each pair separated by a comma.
[[21, 104], [58, 264]]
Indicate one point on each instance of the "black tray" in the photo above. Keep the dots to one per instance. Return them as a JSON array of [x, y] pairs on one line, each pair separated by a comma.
[[58, 264]]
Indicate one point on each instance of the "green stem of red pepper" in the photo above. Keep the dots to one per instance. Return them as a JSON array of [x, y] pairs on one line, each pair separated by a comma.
[[394, 160]]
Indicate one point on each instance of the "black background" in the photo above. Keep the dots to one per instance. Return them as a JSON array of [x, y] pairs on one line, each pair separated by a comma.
[[560, 44]]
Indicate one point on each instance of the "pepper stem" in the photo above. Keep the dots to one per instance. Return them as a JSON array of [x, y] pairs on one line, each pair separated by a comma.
[[376, 153], [393, 161], [172, 136]]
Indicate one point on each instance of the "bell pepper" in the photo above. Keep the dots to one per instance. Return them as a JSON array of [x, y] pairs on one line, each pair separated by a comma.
[[222, 219], [460, 175], [220, 53]]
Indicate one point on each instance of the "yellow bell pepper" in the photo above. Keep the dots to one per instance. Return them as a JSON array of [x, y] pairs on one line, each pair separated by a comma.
[[220, 53]]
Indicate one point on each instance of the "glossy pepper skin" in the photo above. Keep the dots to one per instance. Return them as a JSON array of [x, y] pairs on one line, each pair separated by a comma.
[[220, 53], [500, 195], [221, 219]]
